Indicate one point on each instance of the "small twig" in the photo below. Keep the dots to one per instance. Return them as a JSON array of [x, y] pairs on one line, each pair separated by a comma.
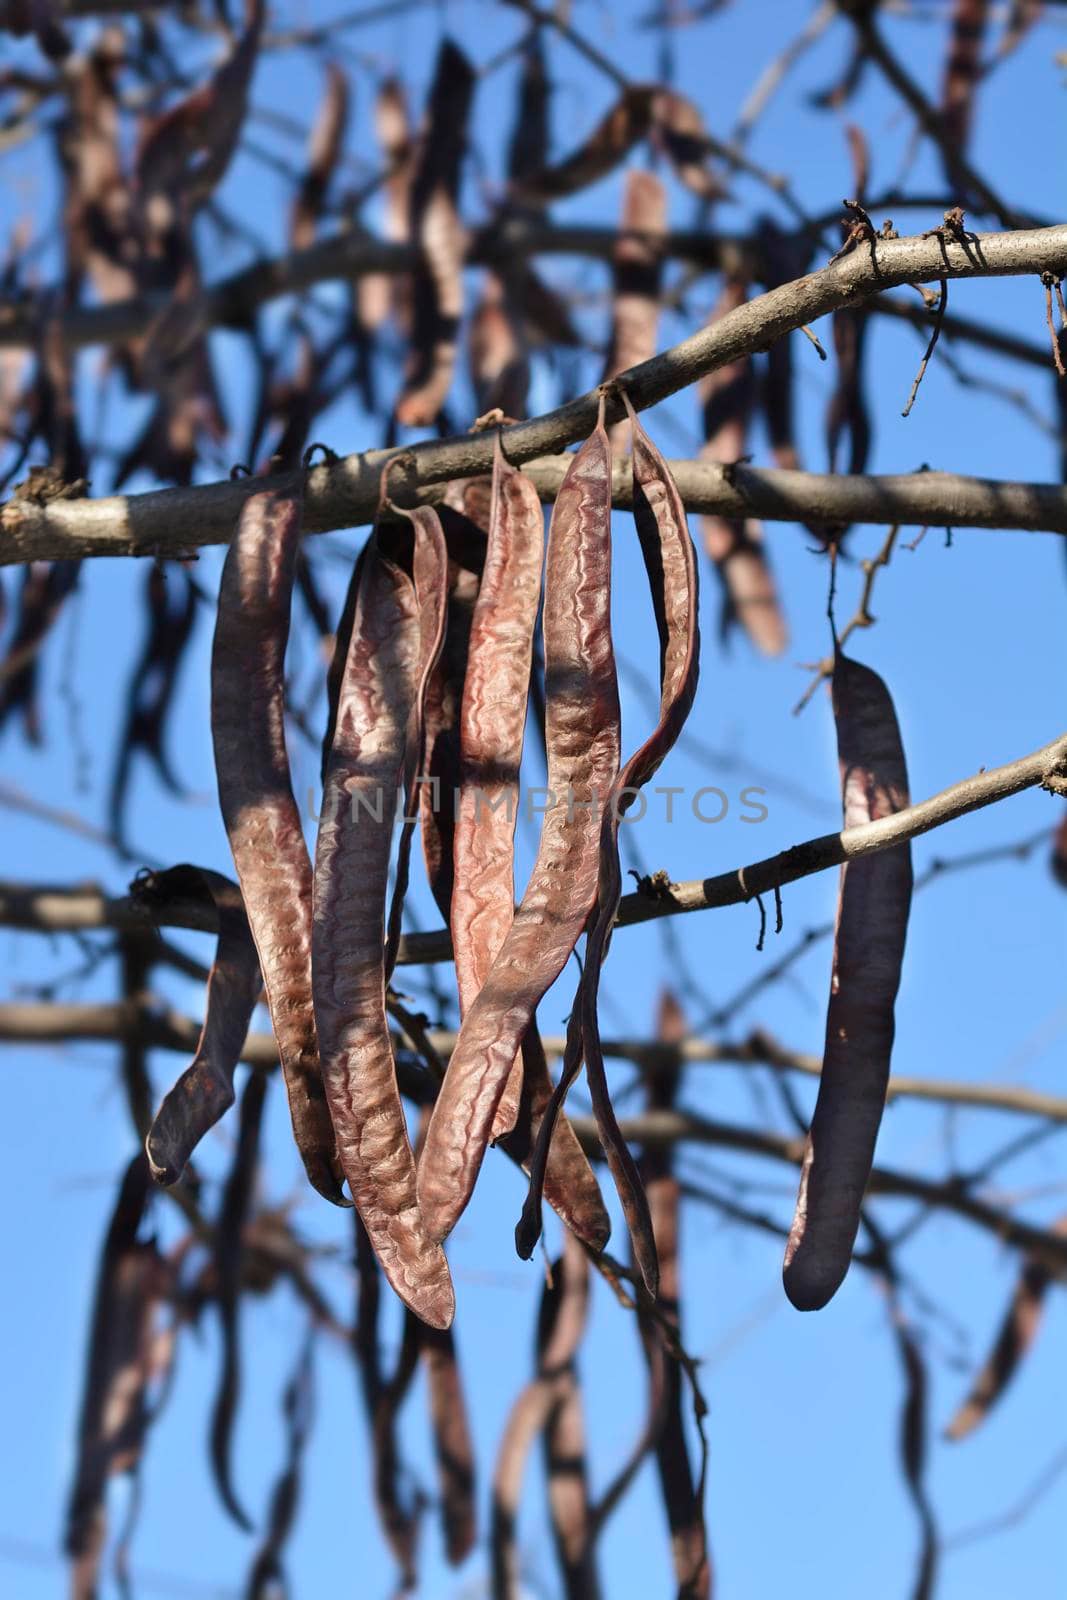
[[939, 317]]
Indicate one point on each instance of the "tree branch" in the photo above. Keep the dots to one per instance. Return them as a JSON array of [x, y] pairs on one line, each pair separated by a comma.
[[343, 493], [45, 909], [54, 1023]]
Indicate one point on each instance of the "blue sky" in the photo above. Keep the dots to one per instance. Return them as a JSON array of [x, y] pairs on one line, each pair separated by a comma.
[[805, 1492]]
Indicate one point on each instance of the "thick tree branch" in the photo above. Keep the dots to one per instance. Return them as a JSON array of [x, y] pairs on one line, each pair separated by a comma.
[[54, 910], [345, 492]]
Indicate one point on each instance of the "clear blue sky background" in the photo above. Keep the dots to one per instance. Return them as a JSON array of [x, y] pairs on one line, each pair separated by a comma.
[[805, 1494]]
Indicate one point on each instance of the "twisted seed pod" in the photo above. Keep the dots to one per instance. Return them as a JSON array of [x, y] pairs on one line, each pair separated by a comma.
[[1017, 1332], [671, 567], [583, 756], [258, 808], [378, 693], [492, 722], [204, 1092], [872, 920]]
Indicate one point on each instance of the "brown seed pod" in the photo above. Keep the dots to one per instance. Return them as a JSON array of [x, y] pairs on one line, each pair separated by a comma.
[[267, 1575], [234, 1213], [436, 226], [963, 70], [492, 722], [127, 1357], [560, 1328], [387, 664], [1017, 1332], [872, 920], [678, 1484], [583, 754], [324, 150], [637, 273], [624, 125], [736, 547], [204, 1092], [258, 807], [670, 563]]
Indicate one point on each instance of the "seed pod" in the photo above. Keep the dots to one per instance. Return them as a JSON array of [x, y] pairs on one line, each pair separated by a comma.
[[436, 225], [560, 1327], [382, 1398], [430, 578], [204, 1092], [671, 567], [872, 919], [234, 1212], [500, 369], [324, 150], [441, 737], [678, 1485], [172, 601], [624, 125], [1058, 859], [482, 905], [452, 1441], [963, 67], [679, 130], [126, 1358], [259, 810], [386, 666], [267, 1576], [736, 546], [492, 722], [1017, 1333], [637, 273], [583, 755]]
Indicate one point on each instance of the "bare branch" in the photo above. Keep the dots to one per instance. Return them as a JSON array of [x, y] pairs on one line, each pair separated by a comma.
[[344, 493]]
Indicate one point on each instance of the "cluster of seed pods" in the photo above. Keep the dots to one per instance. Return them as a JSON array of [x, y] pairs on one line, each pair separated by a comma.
[[432, 674]]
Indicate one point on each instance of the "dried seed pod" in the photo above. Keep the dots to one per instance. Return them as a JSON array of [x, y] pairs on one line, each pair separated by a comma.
[[298, 1405], [637, 273], [436, 225], [1058, 859], [623, 126], [679, 130], [172, 602], [386, 668], [493, 720], [736, 547], [324, 150], [963, 69], [872, 920], [667, 550], [398, 1514], [560, 1327], [452, 1441], [204, 1092], [678, 1484], [430, 578], [258, 807], [234, 1212], [127, 1357], [583, 755], [500, 368], [1019, 1329]]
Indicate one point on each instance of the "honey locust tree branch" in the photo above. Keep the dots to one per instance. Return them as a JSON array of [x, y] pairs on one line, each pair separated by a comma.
[[56, 910], [84, 1022], [345, 492]]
